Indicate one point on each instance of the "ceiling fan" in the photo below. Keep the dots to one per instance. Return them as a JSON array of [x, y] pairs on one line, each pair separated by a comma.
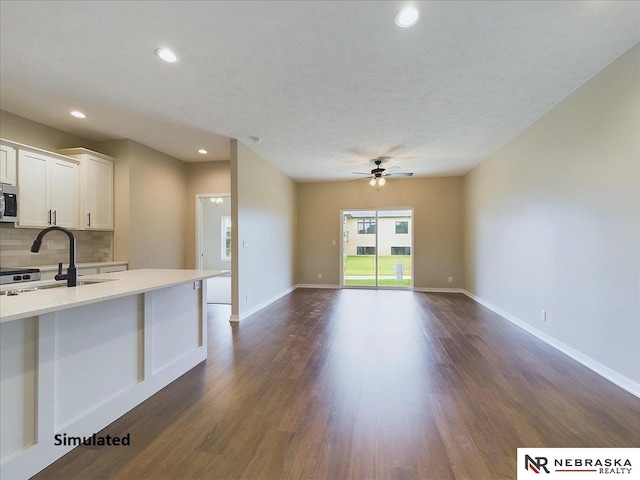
[[377, 175]]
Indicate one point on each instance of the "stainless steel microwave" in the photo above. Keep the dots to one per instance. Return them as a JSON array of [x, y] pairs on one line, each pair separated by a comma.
[[8, 203]]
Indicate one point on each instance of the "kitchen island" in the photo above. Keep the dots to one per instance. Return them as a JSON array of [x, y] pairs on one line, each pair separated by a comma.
[[74, 359]]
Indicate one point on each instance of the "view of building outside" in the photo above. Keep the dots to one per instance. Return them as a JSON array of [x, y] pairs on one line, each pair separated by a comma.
[[393, 230], [385, 237]]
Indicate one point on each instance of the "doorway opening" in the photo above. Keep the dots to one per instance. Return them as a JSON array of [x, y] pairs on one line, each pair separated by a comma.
[[377, 248], [213, 243]]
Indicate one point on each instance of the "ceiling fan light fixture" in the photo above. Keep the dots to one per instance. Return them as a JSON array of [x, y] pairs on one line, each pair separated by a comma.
[[381, 181], [372, 182], [407, 17]]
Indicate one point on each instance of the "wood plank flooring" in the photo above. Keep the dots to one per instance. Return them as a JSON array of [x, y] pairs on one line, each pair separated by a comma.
[[362, 384]]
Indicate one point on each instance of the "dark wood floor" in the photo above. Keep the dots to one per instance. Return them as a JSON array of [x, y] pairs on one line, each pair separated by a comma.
[[362, 384]]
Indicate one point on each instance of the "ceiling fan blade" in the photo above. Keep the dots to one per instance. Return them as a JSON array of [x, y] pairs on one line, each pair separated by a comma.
[[358, 179], [361, 173], [393, 168], [399, 174]]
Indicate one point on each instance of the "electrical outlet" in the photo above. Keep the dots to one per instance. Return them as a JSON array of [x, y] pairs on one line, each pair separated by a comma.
[[450, 280], [196, 285], [543, 315], [319, 276], [333, 243]]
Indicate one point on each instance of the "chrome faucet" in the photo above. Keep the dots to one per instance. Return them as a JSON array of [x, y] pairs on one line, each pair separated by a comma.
[[72, 272]]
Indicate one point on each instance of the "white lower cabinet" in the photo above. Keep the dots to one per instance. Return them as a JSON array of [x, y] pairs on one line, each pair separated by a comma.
[[49, 189]]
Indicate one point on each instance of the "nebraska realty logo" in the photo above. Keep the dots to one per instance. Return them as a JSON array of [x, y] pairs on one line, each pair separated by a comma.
[[581, 463]]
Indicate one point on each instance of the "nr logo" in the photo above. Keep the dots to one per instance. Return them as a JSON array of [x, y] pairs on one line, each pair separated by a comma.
[[537, 465]]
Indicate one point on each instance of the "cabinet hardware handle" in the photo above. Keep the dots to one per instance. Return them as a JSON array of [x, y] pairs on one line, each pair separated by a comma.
[[55, 217], [89, 218], [49, 217]]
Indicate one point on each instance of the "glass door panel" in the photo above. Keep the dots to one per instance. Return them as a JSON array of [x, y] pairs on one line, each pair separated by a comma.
[[377, 248], [394, 248], [359, 248]]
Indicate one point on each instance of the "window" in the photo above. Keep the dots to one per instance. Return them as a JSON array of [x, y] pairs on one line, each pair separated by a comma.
[[226, 239], [366, 250], [366, 225], [401, 250], [402, 227]]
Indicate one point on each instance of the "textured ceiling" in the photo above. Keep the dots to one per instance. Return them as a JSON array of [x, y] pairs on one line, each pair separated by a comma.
[[326, 85]]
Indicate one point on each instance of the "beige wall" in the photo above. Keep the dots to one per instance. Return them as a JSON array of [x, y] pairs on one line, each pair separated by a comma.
[[552, 222], [150, 205], [28, 132], [437, 226], [158, 204], [203, 178], [264, 219]]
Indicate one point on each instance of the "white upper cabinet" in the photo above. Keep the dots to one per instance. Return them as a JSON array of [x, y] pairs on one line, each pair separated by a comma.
[[7, 164], [96, 188], [49, 190]]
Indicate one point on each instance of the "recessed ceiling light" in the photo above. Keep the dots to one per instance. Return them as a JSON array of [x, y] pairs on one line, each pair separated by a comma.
[[407, 17], [202, 151], [78, 114], [167, 55], [256, 139]]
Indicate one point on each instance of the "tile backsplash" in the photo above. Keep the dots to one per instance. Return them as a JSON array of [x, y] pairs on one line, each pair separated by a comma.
[[15, 247]]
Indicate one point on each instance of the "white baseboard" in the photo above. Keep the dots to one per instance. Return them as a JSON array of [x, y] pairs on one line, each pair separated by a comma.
[[602, 370], [317, 285], [437, 290], [416, 289], [260, 306]]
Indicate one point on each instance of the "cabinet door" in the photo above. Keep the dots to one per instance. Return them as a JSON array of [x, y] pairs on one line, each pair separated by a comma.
[[33, 181], [7, 165], [64, 193], [99, 194]]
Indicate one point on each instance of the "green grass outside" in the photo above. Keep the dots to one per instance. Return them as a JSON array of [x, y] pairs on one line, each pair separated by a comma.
[[366, 265], [384, 282]]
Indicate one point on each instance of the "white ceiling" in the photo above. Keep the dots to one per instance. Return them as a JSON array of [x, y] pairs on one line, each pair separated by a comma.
[[326, 84]]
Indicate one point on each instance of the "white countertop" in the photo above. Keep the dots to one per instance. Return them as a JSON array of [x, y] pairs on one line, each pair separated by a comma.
[[115, 285]]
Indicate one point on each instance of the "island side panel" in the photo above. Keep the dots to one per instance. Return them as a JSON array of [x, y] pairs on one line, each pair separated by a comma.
[[18, 370], [97, 356], [176, 324]]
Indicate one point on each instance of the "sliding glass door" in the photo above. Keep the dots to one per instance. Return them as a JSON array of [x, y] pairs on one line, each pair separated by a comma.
[[377, 248]]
